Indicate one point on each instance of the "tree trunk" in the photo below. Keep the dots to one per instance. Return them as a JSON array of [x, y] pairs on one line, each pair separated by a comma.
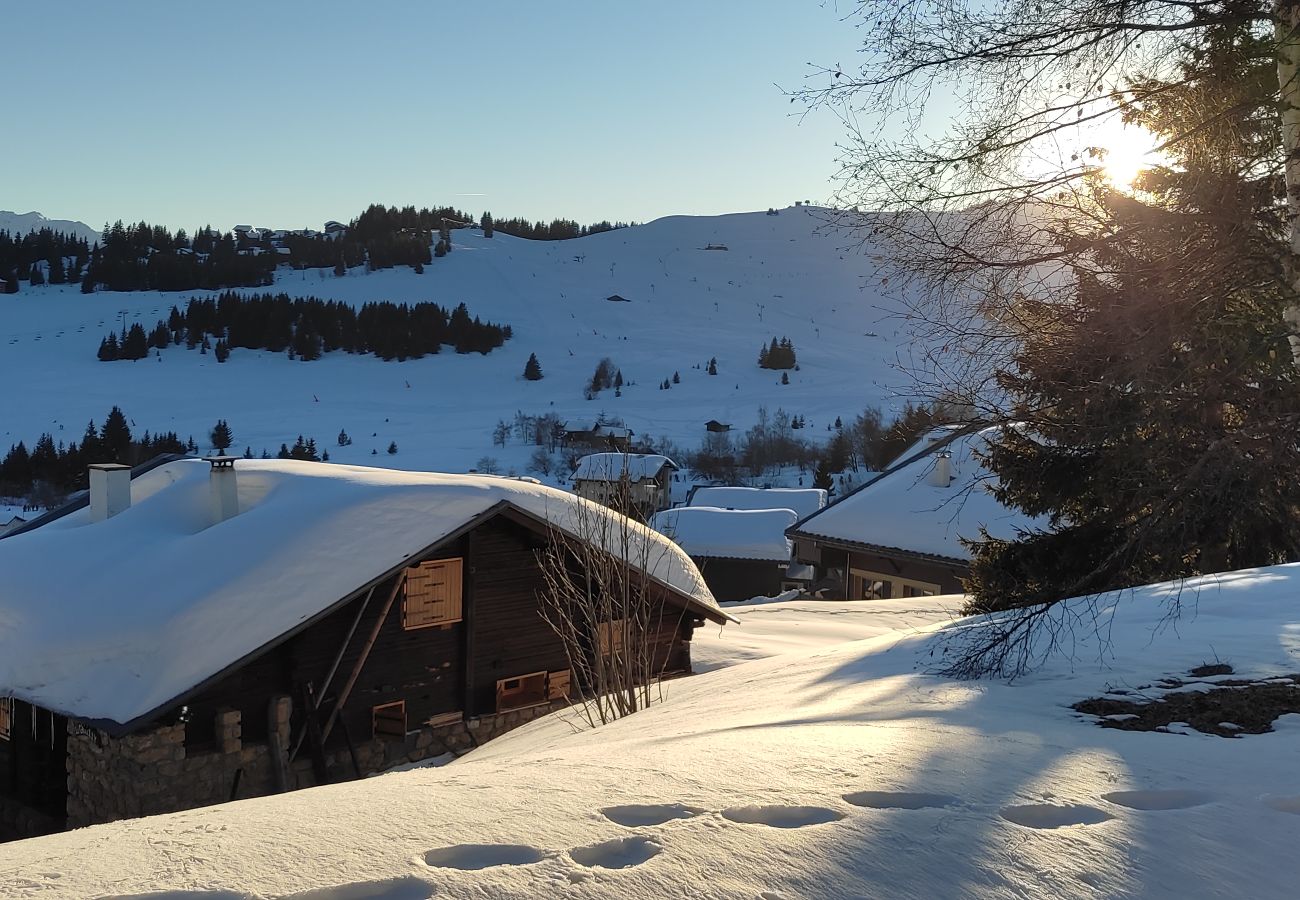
[[1286, 15]]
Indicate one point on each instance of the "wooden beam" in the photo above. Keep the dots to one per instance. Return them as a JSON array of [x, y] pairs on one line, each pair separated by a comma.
[[314, 708], [398, 581], [467, 617]]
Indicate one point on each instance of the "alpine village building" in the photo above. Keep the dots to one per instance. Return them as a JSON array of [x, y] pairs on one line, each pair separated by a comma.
[[900, 533], [199, 633]]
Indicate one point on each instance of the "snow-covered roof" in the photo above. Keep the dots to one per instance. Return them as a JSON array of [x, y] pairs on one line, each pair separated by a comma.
[[111, 620], [612, 466], [804, 501], [903, 510], [732, 533]]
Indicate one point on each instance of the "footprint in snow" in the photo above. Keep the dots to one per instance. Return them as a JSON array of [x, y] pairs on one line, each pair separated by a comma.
[[484, 856], [1049, 815], [180, 895], [782, 816], [1158, 800], [620, 853], [388, 889], [899, 800], [639, 815], [1284, 804]]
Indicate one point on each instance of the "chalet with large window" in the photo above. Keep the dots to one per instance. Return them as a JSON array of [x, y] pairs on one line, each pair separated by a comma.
[[900, 533], [215, 632]]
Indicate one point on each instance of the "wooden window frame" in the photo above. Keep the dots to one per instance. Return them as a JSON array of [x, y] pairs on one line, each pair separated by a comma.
[[6, 718], [896, 584], [522, 691], [417, 610], [378, 714]]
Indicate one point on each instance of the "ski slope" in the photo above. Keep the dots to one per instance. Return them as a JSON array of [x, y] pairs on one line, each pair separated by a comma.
[[837, 768], [780, 276]]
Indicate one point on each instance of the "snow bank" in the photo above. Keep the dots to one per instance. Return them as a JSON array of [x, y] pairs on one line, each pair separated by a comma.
[[839, 770], [112, 619], [729, 533]]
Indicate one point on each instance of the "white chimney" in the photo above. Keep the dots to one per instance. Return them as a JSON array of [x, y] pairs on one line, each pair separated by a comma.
[[223, 490], [110, 490], [941, 474]]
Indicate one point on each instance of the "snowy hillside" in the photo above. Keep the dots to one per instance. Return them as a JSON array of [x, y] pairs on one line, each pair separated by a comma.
[[839, 769], [22, 223], [778, 277]]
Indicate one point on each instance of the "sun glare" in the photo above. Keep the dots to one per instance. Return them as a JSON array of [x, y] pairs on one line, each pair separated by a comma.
[[1127, 151]]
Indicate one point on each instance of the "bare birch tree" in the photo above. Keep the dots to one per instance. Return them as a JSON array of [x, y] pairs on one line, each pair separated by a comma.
[[971, 127], [600, 595]]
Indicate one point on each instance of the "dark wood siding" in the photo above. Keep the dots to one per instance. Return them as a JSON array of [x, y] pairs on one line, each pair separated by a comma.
[[435, 670], [34, 758], [740, 579], [510, 637]]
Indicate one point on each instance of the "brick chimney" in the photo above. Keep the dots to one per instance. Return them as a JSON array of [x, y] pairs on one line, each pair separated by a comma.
[[223, 489], [110, 490]]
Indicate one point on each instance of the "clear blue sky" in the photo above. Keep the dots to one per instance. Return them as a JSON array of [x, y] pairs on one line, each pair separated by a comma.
[[290, 113]]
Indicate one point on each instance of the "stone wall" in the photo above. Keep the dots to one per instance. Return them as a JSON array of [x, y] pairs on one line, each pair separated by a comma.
[[152, 772]]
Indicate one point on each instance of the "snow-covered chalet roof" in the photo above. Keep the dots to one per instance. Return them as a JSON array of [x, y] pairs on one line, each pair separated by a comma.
[[611, 466], [902, 510], [112, 620], [730, 533], [804, 501]]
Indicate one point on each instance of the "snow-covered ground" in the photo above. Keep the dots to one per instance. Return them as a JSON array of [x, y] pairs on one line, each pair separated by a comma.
[[781, 276], [840, 769]]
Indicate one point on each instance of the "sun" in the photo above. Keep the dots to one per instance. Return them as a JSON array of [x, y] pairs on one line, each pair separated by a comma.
[[1124, 153]]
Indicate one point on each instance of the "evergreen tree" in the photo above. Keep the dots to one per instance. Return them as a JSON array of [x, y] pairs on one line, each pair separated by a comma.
[[115, 436], [713, 366], [532, 368], [487, 224], [221, 436], [1159, 401], [677, 378], [108, 349], [392, 448]]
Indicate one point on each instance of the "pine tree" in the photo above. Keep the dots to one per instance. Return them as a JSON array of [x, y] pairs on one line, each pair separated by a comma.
[[108, 349], [532, 368], [713, 366], [115, 436], [677, 378], [488, 225], [392, 448], [221, 436], [1162, 395]]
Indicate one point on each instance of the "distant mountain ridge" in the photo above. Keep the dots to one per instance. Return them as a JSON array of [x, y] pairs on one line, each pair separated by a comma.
[[22, 223]]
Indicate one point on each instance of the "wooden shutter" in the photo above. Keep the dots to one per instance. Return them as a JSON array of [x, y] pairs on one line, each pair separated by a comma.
[[558, 684], [610, 636], [433, 594], [390, 721]]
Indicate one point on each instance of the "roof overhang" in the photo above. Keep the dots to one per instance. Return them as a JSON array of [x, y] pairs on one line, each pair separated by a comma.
[[881, 549]]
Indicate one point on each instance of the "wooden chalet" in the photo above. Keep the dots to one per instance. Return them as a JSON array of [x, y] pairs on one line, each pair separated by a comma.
[[281, 626], [635, 483], [742, 553], [713, 426], [900, 533]]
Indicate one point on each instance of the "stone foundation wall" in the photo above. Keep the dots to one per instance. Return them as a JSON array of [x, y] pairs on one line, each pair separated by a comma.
[[152, 772]]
